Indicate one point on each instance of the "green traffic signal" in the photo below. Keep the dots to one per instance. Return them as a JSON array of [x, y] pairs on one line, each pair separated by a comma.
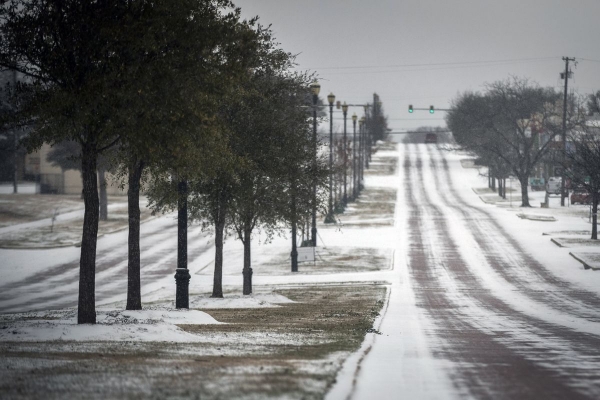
[[431, 110], [410, 108]]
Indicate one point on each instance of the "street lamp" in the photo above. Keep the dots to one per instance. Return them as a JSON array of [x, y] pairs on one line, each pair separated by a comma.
[[362, 152], [329, 218], [354, 118], [366, 134], [182, 275], [315, 88], [345, 111]]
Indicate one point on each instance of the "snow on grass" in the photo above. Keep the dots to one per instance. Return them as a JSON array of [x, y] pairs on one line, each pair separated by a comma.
[[254, 300], [156, 322], [148, 325]]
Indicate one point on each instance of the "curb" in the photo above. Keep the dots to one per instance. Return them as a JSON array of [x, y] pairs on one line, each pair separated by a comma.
[[585, 265], [351, 366]]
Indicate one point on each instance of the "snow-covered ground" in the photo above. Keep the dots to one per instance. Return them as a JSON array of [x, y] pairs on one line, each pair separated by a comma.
[[447, 236], [523, 296]]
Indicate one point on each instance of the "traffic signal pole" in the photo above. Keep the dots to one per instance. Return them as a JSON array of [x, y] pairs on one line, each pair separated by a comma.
[[431, 109]]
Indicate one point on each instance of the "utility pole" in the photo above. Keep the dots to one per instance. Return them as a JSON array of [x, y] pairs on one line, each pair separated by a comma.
[[564, 133]]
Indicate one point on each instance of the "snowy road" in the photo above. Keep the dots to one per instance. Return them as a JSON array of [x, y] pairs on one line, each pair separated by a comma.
[[478, 307], [472, 314]]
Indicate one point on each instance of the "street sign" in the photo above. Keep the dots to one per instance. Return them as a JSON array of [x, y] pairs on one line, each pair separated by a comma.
[[306, 254]]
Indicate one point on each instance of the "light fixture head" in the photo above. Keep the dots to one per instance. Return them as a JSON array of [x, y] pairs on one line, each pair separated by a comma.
[[345, 108], [315, 88], [331, 98]]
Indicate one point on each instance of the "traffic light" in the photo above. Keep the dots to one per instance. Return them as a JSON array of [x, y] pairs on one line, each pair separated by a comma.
[[410, 109], [431, 110]]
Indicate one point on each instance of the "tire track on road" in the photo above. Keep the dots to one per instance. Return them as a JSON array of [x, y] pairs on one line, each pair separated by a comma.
[[508, 373], [559, 295]]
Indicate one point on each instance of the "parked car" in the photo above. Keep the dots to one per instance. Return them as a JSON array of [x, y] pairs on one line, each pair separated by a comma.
[[431, 138], [554, 185], [580, 196]]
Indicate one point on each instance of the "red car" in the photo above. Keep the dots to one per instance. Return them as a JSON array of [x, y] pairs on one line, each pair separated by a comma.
[[580, 196]]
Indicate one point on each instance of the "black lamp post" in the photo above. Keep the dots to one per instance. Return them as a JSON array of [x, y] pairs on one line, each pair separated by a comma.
[[345, 111], [329, 218], [361, 148], [354, 118], [366, 134], [369, 123], [182, 275], [315, 88]]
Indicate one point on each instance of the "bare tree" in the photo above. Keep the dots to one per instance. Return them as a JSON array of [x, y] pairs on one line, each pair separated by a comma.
[[583, 161], [510, 126], [593, 103]]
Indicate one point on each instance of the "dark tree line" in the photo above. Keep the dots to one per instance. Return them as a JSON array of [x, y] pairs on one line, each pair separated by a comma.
[[182, 94]]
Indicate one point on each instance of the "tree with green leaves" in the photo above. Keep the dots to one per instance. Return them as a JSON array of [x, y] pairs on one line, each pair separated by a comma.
[[376, 121], [97, 70], [178, 136], [274, 136], [68, 50]]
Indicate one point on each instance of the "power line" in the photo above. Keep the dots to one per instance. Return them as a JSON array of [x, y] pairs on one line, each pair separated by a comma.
[[458, 63], [414, 70], [404, 119]]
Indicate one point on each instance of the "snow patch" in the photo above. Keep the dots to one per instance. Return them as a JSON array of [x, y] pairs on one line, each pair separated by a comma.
[[149, 325]]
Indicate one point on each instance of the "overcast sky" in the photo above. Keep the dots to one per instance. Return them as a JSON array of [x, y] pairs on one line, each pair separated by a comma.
[[425, 52]]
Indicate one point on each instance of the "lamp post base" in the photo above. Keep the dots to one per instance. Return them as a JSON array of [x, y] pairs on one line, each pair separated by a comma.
[[182, 293]]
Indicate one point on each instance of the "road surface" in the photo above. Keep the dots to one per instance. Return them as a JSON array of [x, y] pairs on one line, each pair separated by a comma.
[[472, 314]]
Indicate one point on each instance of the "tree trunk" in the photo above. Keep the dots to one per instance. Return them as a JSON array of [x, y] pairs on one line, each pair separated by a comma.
[[524, 180], [103, 195], [86, 312], [134, 296], [500, 187], [294, 249], [493, 183], [247, 271], [595, 217], [219, 234]]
